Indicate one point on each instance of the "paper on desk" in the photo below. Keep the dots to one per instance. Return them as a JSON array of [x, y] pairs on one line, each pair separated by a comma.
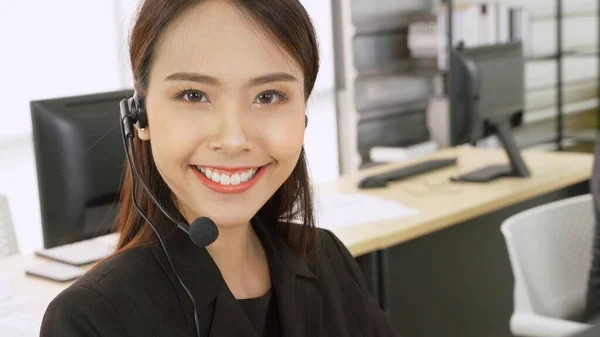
[[346, 210], [20, 317]]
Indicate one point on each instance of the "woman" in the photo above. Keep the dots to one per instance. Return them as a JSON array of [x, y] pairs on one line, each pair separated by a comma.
[[224, 85]]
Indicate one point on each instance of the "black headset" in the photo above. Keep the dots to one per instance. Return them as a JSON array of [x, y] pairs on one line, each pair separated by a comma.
[[137, 110]]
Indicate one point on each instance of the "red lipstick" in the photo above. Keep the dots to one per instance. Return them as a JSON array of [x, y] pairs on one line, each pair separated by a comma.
[[230, 189]]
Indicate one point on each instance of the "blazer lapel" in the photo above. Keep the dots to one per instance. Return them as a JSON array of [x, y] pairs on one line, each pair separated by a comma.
[[300, 308], [299, 300], [196, 270], [212, 297]]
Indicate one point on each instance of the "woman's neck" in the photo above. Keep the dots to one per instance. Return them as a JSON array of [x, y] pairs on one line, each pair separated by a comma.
[[233, 245], [242, 261]]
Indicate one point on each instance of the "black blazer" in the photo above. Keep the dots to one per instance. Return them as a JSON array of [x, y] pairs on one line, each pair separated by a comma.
[[136, 294]]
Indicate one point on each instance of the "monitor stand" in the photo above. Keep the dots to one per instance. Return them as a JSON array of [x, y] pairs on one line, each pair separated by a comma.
[[516, 168]]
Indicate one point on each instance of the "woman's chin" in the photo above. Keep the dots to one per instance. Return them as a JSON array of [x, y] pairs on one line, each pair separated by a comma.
[[226, 222]]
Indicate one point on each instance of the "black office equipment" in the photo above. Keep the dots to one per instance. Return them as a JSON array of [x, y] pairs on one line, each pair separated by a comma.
[[382, 179], [79, 160], [488, 97]]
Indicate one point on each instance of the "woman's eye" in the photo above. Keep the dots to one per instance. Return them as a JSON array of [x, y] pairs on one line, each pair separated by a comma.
[[193, 96], [270, 97]]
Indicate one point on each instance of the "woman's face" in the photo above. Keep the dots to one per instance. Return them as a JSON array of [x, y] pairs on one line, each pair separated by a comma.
[[225, 114]]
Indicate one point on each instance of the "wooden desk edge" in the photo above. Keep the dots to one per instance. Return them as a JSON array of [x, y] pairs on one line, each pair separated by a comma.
[[394, 237]]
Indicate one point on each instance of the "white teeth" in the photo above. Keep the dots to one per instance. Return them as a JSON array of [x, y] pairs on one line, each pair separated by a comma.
[[225, 179]]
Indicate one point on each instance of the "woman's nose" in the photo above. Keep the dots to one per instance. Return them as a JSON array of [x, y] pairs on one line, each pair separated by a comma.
[[230, 138]]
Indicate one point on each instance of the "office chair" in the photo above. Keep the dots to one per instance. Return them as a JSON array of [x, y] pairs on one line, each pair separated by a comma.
[[80, 158], [550, 248]]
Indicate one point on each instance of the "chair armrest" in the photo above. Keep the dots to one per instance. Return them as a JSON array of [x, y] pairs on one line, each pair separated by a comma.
[[531, 325]]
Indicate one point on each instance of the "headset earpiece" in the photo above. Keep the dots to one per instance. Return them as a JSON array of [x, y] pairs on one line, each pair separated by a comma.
[[138, 111], [305, 121]]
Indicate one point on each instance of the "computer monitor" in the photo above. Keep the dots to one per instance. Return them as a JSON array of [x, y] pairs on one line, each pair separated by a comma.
[[488, 97], [80, 160]]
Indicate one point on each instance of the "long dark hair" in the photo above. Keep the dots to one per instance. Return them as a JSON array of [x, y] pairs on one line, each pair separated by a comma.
[[289, 24]]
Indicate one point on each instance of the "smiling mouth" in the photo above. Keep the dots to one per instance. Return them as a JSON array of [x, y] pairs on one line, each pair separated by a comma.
[[229, 180]]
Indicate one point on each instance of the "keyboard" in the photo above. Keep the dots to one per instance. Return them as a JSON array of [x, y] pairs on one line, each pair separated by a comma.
[[78, 253], [382, 179]]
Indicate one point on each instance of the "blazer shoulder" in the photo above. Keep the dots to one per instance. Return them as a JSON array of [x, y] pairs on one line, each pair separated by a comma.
[[81, 311], [120, 267], [338, 255], [372, 320], [91, 303], [329, 243]]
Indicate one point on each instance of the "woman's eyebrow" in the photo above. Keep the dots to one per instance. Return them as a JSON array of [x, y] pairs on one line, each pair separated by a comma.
[[193, 77], [276, 77], [209, 80]]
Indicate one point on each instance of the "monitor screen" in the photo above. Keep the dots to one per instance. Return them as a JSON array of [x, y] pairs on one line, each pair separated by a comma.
[[487, 86], [501, 79], [80, 159]]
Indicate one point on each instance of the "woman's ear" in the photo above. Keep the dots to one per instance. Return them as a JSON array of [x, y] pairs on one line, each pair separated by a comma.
[[143, 133]]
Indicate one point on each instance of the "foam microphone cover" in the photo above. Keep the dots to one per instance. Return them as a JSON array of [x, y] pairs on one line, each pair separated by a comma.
[[203, 231]]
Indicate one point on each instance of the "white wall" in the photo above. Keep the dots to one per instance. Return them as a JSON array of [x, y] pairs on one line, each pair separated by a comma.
[[52, 49], [70, 47]]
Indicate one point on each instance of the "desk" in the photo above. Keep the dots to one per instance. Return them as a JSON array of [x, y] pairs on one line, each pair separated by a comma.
[[37, 292], [42, 290], [445, 272], [443, 205]]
